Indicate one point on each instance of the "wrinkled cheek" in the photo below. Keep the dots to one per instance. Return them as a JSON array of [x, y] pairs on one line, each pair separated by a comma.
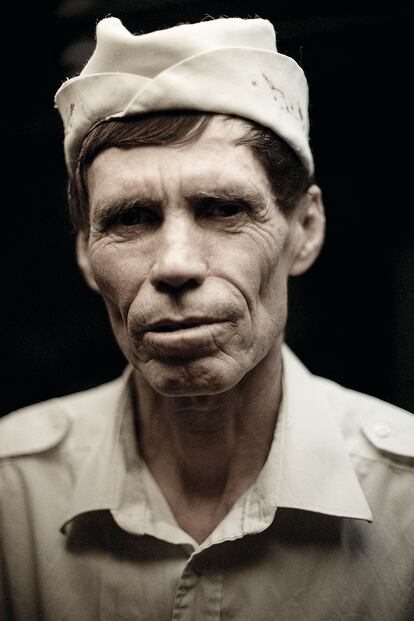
[[265, 297], [133, 349], [118, 291], [119, 328], [272, 301], [117, 284], [273, 296]]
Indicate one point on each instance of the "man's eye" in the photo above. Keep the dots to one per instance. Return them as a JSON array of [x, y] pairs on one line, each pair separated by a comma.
[[224, 210], [136, 217]]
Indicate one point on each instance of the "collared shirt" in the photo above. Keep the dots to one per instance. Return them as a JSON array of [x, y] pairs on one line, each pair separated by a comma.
[[325, 533]]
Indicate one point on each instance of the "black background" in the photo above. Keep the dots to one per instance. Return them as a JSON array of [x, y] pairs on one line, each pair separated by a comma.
[[351, 317]]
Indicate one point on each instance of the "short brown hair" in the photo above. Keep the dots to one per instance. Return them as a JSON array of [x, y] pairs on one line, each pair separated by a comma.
[[288, 177]]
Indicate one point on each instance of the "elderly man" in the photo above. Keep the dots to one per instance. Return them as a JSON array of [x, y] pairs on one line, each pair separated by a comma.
[[217, 478]]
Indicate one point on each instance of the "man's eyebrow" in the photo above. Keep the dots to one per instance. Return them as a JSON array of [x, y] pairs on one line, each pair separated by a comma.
[[108, 209], [256, 199]]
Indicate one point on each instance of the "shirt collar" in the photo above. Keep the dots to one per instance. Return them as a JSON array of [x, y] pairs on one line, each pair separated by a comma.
[[308, 466], [98, 484]]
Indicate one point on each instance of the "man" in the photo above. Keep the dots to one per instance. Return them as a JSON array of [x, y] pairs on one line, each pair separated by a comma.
[[217, 478]]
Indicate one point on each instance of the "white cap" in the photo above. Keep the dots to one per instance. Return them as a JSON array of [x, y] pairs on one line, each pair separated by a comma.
[[227, 65]]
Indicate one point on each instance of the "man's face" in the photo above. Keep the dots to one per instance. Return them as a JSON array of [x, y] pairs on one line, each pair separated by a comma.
[[191, 254]]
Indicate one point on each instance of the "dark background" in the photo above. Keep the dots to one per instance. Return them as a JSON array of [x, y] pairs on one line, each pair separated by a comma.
[[351, 317]]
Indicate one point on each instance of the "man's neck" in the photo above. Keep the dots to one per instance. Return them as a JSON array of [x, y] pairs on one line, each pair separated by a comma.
[[206, 451]]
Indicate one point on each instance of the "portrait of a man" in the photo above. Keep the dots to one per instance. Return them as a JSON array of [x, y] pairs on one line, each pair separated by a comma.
[[217, 478]]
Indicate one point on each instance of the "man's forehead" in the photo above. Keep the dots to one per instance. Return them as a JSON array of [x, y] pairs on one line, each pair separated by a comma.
[[215, 162]]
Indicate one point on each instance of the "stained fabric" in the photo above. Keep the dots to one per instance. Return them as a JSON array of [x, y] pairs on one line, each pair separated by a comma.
[[228, 66]]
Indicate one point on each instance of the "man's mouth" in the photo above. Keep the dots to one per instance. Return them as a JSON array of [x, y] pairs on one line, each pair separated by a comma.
[[183, 338], [174, 327], [168, 325]]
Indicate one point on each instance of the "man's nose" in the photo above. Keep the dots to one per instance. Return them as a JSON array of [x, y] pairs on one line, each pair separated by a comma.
[[179, 261]]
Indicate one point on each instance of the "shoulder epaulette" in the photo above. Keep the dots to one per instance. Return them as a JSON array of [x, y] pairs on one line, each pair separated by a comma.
[[392, 433], [32, 430]]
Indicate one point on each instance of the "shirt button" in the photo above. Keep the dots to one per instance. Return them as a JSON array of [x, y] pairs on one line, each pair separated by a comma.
[[200, 569], [382, 430]]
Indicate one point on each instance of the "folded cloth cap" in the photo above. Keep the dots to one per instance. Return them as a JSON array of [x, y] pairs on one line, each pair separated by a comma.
[[226, 65]]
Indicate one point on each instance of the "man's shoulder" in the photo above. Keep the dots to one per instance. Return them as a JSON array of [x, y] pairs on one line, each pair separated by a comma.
[[373, 429], [40, 427]]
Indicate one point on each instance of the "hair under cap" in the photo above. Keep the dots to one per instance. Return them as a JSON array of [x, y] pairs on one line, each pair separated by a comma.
[[226, 65]]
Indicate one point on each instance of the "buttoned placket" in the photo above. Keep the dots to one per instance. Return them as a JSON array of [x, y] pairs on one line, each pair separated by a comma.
[[199, 591], [144, 511]]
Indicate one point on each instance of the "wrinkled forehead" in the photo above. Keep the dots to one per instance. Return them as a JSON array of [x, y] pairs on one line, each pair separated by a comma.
[[214, 163]]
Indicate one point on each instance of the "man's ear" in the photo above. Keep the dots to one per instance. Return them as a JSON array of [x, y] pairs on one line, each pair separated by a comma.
[[309, 225], [82, 256]]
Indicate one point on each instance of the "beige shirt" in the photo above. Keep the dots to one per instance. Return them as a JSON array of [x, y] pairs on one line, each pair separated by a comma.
[[325, 533]]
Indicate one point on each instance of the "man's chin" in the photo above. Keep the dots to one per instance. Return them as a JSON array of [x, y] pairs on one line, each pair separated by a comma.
[[181, 378]]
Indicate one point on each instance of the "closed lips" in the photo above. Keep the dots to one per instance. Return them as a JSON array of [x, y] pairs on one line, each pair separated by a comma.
[[171, 326]]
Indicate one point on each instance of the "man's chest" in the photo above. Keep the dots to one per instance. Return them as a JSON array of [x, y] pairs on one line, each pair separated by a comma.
[[326, 570]]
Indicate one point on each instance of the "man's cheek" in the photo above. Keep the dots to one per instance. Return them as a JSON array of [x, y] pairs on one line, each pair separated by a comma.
[[115, 283]]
